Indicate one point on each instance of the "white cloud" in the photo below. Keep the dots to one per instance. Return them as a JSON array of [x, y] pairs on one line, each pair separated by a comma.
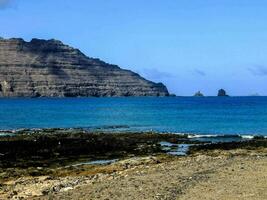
[[258, 70], [199, 72], [155, 74]]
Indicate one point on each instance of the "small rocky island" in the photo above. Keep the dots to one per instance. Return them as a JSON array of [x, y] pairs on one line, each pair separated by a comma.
[[49, 68], [198, 94], [222, 93]]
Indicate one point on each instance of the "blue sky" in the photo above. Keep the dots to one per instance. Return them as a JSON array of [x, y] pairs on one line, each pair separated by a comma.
[[189, 45]]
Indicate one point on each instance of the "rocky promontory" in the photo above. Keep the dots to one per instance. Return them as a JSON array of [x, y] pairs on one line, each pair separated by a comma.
[[49, 68]]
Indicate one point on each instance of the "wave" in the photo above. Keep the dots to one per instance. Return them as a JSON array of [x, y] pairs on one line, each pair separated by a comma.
[[202, 136], [225, 136], [247, 136]]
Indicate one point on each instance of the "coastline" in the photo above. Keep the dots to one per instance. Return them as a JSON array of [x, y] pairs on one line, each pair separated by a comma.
[[116, 129], [60, 161]]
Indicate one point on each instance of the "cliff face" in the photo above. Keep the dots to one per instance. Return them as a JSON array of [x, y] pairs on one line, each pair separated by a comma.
[[51, 69]]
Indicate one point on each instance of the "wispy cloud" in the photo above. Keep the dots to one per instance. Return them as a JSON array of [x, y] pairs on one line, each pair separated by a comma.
[[199, 72], [155, 74], [5, 3], [258, 70]]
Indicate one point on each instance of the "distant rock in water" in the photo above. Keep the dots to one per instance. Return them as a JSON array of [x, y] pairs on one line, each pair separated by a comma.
[[222, 93], [49, 68], [254, 95], [198, 94]]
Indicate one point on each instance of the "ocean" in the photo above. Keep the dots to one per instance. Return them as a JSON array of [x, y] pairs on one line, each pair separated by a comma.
[[195, 115]]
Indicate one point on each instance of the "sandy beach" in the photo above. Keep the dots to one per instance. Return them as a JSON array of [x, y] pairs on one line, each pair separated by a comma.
[[232, 175]]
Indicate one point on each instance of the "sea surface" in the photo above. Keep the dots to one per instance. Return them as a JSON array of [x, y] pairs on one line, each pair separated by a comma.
[[208, 115]]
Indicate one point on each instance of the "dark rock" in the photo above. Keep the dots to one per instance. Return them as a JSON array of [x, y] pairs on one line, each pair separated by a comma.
[[198, 94], [49, 68], [250, 144], [42, 148], [222, 93]]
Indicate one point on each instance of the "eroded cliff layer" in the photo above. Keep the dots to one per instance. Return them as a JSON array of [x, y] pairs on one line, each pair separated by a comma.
[[50, 68]]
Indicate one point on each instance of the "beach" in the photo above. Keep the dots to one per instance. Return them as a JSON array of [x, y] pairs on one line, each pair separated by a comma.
[[232, 175], [130, 166]]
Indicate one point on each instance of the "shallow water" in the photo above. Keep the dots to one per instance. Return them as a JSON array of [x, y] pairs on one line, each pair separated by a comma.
[[209, 115], [96, 162], [175, 149]]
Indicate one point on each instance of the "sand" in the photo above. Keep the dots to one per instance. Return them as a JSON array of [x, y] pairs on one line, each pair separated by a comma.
[[215, 174]]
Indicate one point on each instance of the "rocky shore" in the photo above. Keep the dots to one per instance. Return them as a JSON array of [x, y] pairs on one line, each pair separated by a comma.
[[41, 148], [75, 164]]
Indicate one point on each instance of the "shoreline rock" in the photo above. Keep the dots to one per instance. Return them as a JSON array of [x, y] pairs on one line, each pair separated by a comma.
[[44, 148]]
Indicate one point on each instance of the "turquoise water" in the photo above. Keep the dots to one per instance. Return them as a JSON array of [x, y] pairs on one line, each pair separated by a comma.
[[209, 115]]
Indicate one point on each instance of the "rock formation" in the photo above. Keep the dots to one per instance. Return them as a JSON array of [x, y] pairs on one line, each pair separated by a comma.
[[198, 94], [222, 93], [49, 68]]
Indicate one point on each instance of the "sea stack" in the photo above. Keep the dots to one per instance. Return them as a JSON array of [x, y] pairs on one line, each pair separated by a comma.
[[49, 68], [198, 94], [222, 93]]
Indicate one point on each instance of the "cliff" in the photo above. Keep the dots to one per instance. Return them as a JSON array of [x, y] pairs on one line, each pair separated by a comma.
[[49, 68]]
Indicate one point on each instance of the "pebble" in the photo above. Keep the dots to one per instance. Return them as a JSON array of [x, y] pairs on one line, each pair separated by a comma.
[[66, 189]]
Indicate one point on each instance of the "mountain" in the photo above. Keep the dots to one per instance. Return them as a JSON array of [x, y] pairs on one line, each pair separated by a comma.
[[49, 68]]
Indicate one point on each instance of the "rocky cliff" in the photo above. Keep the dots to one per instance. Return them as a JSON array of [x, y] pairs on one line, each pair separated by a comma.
[[50, 68]]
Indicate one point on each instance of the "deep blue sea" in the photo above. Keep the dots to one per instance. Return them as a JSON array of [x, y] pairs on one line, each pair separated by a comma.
[[208, 115]]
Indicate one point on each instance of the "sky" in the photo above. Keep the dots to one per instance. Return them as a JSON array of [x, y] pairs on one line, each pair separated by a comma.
[[189, 45]]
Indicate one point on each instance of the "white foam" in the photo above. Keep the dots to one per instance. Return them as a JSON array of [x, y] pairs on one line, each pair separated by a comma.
[[247, 136], [202, 136]]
